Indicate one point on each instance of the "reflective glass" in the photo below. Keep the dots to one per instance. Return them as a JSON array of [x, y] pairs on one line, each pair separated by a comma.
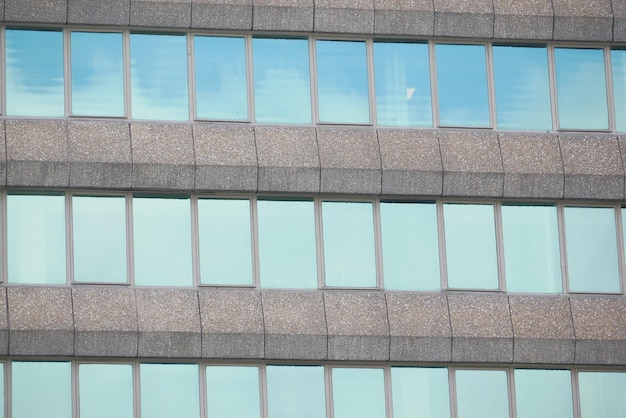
[[169, 390], [36, 239], [531, 249], [158, 77], [581, 88], [41, 389], [410, 246], [34, 73], [97, 74], [282, 81], [2, 390], [221, 80], [522, 83], [420, 392], [462, 85], [402, 74], [349, 254], [106, 390], [225, 241], [591, 240], [99, 234], [287, 255], [296, 391], [482, 394], [471, 246], [618, 64], [343, 92], [543, 394], [233, 392], [358, 393], [602, 394], [162, 237]]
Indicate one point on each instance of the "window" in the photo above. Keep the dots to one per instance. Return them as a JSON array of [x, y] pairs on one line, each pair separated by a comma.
[[602, 394], [420, 392], [358, 392], [295, 391], [618, 63], [106, 390], [543, 393], [482, 393], [233, 391], [170, 390], [41, 389]]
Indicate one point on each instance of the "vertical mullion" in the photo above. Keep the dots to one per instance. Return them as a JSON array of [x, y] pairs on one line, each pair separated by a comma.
[[510, 373], [69, 247], [452, 388], [75, 395], [4, 274], [620, 245], [491, 88], [67, 73], [563, 247], [130, 240], [441, 233], [553, 93], [378, 245], [191, 79], [369, 54], [137, 389], [127, 74], [195, 241], [254, 245], [608, 71], [313, 73], [433, 83], [3, 66], [328, 379], [250, 78], [500, 246], [319, 234], [8, 389], [203, 390], [263, 390], [575, 394], [388, 392]]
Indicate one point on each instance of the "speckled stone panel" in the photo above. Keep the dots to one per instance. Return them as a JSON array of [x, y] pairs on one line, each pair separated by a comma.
[[169, 323], [472, 164], [404, 17], [350, 161], [41, 11], [105, 322], [37, 153], [283, 15], [358, 328], [462, 18], [619, 21], [593, 167], [344, 16], [3, 155], [98, 12], [169, 14], [221, 14], [583, 20], [532, 165], [523, 19], [4, 323], [232, 324], [40, 321]]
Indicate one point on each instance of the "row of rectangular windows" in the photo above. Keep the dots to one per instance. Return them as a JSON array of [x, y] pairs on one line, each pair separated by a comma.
[[56, 73]]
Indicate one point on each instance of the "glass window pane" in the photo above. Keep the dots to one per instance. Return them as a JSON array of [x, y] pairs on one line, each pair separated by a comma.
[[36, 239], [343, 92], [402, 74], [531, 249], [462, 85], [106, 390], [543, 394], [99, 233], [158, 77], [618, 63], [287, 254], [233, 392], [282, 83], [522, 88], [358, 393], [602, 394], [41, 389], [97, 74], [581, 88], [169, 390], [420, 392], [162, 235], [471, 246], [349, 255], [296, 391], [591, 240], [410, 246], [34, 73], [482, 394]]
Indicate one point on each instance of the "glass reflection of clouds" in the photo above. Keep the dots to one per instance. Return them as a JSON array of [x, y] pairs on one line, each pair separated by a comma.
[[618, 63]]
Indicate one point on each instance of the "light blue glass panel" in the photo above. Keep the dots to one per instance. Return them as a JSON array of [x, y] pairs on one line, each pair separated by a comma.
[[522, 83], [282, 81], [287, 255], [225, 241], [233, 392], [402, 74], [602, 394], [420, 392], [591, 240], [349, 254], [462, 85], [97, 74], [296, 391], [342, 86], [34, 73], [471, 246], [36, 239], [221, 80], [99, 233], [531, 249], [41, 389], [169, 390], [358, 393], [106, 390], [543, 394], [158, 77], [581, 88], [482, 394], [162, 234], [618, 64], [410, 246]]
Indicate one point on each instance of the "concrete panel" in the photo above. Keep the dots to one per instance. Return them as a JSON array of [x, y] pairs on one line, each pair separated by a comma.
[[344, 16], [404, 17], [619, 21], [3, 155], [98, 12], [4, 323], [157, 13], [583, 20], [523, 19], [40, 11], [283, 15], [462, 18], [221, 14]]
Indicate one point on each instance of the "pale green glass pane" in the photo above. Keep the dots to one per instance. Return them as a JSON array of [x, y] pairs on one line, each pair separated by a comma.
[[602, 394], [296, 391], [420, 392], [233, 392], [99, 233], [471, 246], [618, 64], [36, 239], [162, 236], [106, 390], [287, 244], [169, 390], [531, 249], [482, 394], [358, 393], [225, 241], [41, 389], [543, 394], [349, 254], [410, 246], [591, 239]]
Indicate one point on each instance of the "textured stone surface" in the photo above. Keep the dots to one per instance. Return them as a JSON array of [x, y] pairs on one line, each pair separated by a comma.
[[404, 17], [221, 14], [40, 321], [99, 12], [283, 15], [619, 21], [3, 155], [464, 18], [105, 322], [170, 13], [583, 20], [4, 323], [344, 16], [523, 19], [41, 11]]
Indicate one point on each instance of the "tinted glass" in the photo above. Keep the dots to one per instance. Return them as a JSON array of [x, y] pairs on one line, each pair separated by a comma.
[[358, 393], [420, 392], [482, 394], [618, 63], [602, 394], [233, 392], [41, 389], [543, 394], [296, 391], [169, 390], [106, 390]]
